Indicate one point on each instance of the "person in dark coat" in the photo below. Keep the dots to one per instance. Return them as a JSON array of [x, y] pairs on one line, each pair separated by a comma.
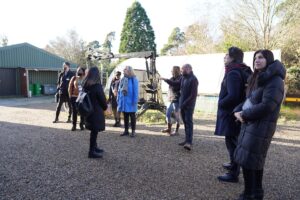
[[128, 95], [232, 93], [62, 89], [258, 115], [112, 98], [173, 105], [96, 121], [187, 101]]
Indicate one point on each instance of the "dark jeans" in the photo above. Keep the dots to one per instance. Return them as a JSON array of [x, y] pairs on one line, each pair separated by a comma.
[[93, 140], [63, 98], [187, 118], [132, 120], [75, 112]]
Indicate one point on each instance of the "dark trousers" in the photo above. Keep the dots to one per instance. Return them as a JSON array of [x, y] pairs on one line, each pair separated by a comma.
[[62, 99], [253, 183], [231, 143], [187, 118], [117, 115], [75, 112], [132, 120], [93, 140]]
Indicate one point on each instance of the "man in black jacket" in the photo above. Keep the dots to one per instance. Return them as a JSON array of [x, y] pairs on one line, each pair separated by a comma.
[[187, 101], [62, 89]]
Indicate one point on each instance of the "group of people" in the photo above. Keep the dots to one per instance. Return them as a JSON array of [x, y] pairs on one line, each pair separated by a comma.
[[248, 109]]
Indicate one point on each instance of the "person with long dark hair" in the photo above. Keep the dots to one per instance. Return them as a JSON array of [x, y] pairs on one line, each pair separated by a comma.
[[75, 86], [127, 99], [232, 93], [258, 115], [96, 121]]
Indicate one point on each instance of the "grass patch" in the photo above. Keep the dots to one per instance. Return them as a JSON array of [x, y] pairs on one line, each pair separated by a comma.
[[289, 113], [152, 116]]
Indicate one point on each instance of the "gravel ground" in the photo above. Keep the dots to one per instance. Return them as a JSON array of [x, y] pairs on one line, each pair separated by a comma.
[[41, 160]]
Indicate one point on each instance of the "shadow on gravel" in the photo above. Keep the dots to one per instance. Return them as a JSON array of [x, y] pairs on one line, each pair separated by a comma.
[[49, 163]]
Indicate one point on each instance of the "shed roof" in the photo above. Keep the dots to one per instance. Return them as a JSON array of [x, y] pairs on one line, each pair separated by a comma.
[[31, 57]]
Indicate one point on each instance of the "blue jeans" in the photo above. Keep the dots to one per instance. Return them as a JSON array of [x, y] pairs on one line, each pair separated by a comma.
[[187, 118], [172, 107]]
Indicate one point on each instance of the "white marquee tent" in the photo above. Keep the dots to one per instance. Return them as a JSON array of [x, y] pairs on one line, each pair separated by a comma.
[[208, 68]]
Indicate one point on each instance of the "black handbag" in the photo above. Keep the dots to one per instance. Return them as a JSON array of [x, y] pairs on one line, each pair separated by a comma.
[[84, 104]]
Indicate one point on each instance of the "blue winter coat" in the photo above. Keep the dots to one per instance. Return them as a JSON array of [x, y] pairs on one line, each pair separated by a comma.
[[128, 103]]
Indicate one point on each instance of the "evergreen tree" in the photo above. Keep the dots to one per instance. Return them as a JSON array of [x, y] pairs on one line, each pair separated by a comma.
[[175, 41], [137, 33]]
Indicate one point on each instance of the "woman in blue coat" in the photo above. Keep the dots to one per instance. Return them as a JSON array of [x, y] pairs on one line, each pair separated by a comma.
[[128, 93], [258, 115]]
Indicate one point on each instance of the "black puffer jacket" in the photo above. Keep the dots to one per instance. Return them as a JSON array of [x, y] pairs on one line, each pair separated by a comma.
[[232, 93], [96, 121], [260, 117]]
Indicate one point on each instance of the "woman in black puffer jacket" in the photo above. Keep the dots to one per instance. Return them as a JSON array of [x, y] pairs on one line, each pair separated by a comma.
[[96, 121], [259, 114]]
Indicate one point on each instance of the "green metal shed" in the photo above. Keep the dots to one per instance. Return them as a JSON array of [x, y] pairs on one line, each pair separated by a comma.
[[24, 64]]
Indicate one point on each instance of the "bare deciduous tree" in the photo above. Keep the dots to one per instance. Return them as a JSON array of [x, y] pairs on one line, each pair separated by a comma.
[[258, 18], [71, 47]]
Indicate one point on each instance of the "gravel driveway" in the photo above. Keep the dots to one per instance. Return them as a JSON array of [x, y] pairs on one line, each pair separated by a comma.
[[42, 160]]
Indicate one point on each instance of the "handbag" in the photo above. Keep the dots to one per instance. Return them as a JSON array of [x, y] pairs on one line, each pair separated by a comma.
[[84, 104]]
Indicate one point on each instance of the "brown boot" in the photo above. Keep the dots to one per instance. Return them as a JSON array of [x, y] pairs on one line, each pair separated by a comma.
[[176, 131], [168, 130]]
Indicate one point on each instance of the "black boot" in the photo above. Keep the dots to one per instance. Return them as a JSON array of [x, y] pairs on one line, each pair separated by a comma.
[[167, 130], [56, 120], [94, 154], [231, 176], [125, 133], [93, 145], [228, 177], [175, 132], [69, 119], [132, 134], [98, 150], [73, 127], [116, 123], [81, 126]]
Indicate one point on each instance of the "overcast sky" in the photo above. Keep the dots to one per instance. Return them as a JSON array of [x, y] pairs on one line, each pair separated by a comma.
[[39, 21]]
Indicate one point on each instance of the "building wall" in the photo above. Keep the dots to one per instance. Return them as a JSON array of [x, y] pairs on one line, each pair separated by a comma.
[[42, 77]]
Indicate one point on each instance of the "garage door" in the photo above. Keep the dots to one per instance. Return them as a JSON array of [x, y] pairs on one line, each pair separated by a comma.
[[8, 82]]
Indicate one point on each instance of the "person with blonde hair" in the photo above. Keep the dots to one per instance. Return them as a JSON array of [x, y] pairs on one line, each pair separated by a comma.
[[127, 99]]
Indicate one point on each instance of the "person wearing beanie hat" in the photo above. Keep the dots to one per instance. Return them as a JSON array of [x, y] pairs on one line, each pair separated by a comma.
[[232, 93]]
